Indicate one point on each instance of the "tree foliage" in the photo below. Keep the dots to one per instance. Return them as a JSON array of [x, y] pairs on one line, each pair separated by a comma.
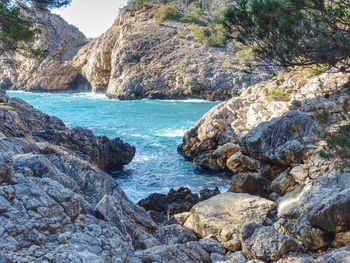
[[15, 27], [293, 32]]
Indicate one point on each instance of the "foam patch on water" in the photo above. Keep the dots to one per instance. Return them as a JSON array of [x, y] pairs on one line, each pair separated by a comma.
[[16, 91], [172, 133], [91, 95]]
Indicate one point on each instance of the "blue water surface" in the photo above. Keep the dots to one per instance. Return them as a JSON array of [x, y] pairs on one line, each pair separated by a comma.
[[154, 127]]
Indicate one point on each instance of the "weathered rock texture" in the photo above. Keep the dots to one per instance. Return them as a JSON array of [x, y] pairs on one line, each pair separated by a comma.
[[271, 144], [52, 71], [136, 58]]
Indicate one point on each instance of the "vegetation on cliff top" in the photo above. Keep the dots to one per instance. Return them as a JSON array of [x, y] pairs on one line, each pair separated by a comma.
[[293, 32]]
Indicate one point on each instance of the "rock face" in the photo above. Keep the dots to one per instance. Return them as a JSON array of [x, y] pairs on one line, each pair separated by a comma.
[[272, 145], [59, 42], [214, 142], [136, 58]]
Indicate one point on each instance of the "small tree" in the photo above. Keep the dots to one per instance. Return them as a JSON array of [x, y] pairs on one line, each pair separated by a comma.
[[293, 32]]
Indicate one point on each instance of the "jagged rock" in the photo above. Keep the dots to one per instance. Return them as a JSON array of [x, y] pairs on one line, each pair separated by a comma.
[[237, 257], [174, 234], [265, 243], [162, 208], [189, 252], [248, 182], [208, 193], [138, 58], [223, 215], [283, 148]]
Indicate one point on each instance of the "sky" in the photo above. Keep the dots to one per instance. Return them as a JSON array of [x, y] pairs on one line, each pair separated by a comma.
[[92, 17]]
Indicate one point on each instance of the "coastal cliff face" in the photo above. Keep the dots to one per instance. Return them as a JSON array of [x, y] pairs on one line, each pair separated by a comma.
[[287, 141], [136, 58], [51, 70], [139, 58]]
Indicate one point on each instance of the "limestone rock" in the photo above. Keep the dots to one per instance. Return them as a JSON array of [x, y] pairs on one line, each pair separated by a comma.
[[26, 122], [283, 148], [223, 126], [223, 215]]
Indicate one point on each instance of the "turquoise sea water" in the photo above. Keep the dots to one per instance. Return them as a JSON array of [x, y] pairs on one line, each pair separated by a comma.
[[154, 127]]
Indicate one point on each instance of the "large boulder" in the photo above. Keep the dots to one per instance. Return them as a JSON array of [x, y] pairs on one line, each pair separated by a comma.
[[222, 216]]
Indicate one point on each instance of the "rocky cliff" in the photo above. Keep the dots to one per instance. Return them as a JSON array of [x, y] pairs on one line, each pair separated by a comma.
[[140, 58], [286, 143], [50, 70], [136, 58]]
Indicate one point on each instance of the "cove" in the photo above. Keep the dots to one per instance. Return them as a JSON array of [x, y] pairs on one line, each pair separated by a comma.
[[154, 127]]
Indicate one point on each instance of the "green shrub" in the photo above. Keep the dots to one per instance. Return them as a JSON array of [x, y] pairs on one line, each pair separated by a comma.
[[189, 18], [245, 56], [209, 37], [322, 116], [275, 94], [167, 12], [228, 64], [215, 39], [197, 10], [181, 34], [199, 33]]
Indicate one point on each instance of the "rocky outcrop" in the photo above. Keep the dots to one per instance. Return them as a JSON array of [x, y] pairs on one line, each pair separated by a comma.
[[59, 42], [272, 138], [213, 142], [19, 119]]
